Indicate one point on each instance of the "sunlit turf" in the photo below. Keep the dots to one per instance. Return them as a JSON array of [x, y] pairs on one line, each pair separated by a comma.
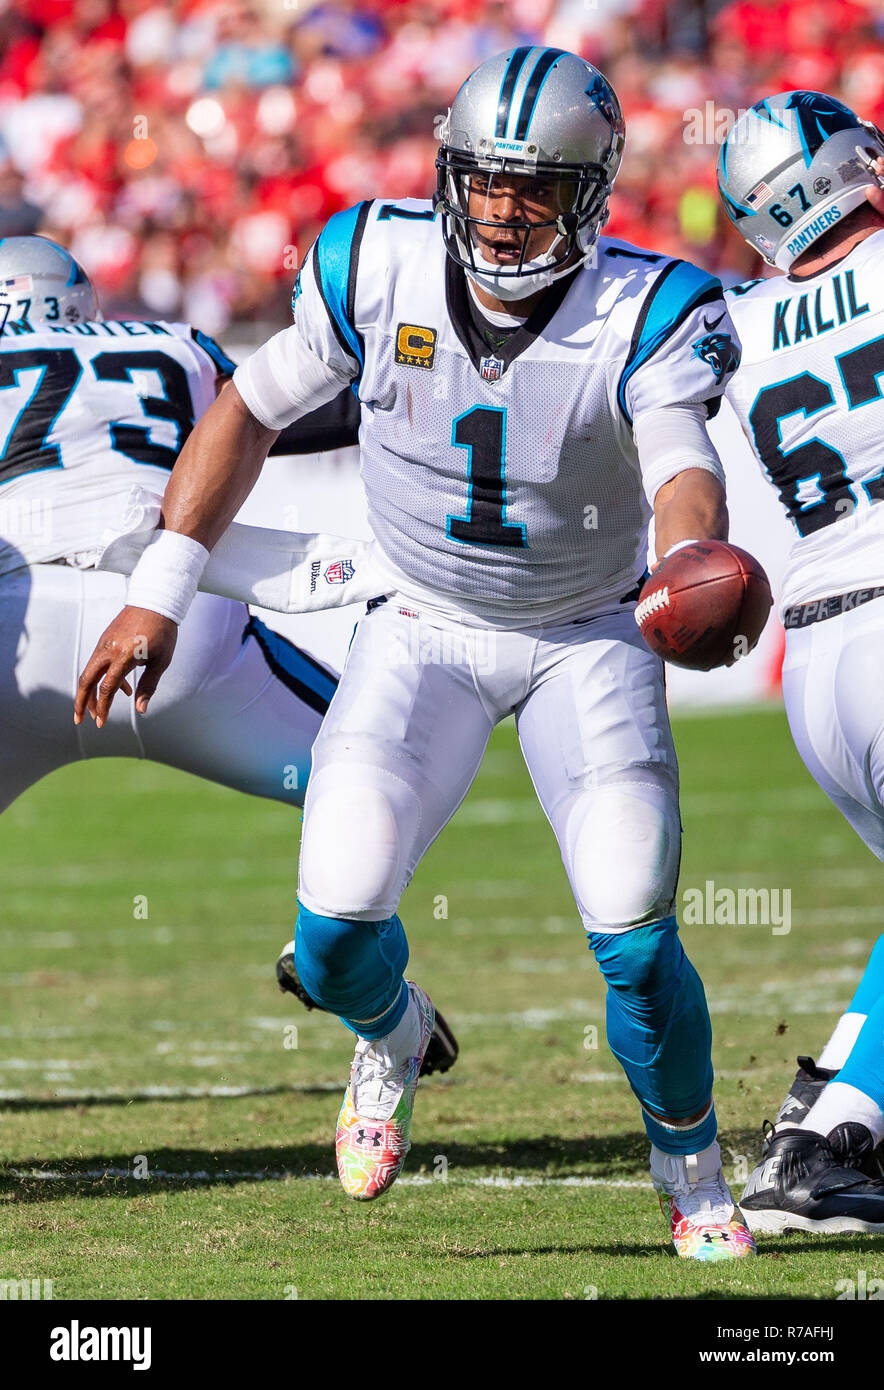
[[142, 1033]]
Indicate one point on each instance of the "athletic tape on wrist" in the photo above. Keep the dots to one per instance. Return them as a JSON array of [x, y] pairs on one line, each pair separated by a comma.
[[167, 575]]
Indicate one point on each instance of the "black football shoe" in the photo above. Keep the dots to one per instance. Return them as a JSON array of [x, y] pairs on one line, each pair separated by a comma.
[[854, 1147], [442, 1049], [809, 1084], [804, 1184]]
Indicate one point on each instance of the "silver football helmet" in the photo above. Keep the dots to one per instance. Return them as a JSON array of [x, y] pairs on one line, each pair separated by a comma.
[[40, 282], [792, 167], [545, 115]]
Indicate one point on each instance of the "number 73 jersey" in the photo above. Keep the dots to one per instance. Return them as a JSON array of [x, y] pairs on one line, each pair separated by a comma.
[[501, 479], [808, 396], [86, 410]]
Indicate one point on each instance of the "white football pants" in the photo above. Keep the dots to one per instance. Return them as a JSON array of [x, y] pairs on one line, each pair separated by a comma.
[[407, 728], [833, 686], [226, 709]]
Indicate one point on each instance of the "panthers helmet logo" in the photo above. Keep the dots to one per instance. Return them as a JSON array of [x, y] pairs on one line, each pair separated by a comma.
[[818, 117], [720, 352], [600, 93]]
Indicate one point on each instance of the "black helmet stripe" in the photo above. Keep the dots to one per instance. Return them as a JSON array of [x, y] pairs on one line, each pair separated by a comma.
[[544, 63], [508, 86]]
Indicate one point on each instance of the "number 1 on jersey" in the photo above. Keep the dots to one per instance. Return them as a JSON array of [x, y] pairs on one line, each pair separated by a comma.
[[482, 431]]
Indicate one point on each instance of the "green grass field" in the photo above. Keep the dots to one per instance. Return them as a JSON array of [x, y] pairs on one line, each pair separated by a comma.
[[159, 1043]]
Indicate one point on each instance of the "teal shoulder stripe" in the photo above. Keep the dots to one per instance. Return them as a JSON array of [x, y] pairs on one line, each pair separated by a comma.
[[676, 292], [337, 258], [226, 366]]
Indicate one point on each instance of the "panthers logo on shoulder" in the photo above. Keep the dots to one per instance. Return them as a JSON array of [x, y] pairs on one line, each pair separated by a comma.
[[720, 352]]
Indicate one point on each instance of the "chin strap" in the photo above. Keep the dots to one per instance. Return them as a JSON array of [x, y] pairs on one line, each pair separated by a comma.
[[536, 275]]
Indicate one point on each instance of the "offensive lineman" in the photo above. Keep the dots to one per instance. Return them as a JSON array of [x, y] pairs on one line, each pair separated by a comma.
[[87, 408], [515, 375], [797, 180]]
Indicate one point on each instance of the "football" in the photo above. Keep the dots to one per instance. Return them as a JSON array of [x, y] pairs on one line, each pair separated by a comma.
[[704, 606]]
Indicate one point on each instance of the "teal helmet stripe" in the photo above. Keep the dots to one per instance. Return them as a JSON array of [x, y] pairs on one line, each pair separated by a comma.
[[507, 87], [542, 69]]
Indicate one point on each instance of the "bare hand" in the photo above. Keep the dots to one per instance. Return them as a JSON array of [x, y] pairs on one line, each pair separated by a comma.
[[136, 637], [876, 195]]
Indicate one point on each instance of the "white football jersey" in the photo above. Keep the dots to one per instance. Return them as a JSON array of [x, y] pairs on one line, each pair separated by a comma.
[[808, 396], [86, 410], [504, 482]]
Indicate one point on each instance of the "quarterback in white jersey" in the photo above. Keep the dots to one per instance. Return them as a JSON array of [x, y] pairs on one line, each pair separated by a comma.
[[529, 396], [797, 178]]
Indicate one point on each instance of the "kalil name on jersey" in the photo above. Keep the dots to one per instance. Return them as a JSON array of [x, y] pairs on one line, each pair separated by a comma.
[[834, 302]]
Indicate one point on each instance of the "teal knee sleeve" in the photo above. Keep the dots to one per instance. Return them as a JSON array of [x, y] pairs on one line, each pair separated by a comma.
[[657, 1019], [354, 969]]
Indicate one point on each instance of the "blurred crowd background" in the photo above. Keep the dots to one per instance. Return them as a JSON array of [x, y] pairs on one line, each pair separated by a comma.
[[189, 152]]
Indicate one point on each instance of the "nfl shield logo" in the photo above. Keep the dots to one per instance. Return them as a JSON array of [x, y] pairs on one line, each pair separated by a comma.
[[490, 368], [339, 572]]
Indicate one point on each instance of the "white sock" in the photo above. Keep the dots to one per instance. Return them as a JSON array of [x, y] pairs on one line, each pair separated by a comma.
[[839, 1103], [840, 1045], [405, 1038]]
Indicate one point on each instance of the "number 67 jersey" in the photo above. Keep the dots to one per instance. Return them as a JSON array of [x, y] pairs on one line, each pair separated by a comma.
[[808, 396], [86, 410], [502, 480]]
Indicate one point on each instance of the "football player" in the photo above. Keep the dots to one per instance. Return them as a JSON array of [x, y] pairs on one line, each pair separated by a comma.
[[797, 177], [531, 394], [87, 408]]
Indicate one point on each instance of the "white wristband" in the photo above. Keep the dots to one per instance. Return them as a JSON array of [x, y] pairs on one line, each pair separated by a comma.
[[679, 545], [167, 576]]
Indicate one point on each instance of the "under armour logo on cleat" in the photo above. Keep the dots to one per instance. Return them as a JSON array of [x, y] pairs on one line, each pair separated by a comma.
[[374, 1140]]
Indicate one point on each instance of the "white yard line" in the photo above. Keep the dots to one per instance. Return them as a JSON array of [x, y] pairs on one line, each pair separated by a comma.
[[173, 1092], [284, 1175]]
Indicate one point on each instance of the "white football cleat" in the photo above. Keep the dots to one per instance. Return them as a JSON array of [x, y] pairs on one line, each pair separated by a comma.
[[703, 1219], [374, 1126]]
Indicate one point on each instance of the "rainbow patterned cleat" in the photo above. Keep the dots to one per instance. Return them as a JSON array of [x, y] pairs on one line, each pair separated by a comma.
[[694, 1197], [374, 1126], [694, 1240]]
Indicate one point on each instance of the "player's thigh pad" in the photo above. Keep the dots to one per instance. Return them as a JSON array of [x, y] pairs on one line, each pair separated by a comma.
[[399, 748], [833, 687], [596, 737]]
